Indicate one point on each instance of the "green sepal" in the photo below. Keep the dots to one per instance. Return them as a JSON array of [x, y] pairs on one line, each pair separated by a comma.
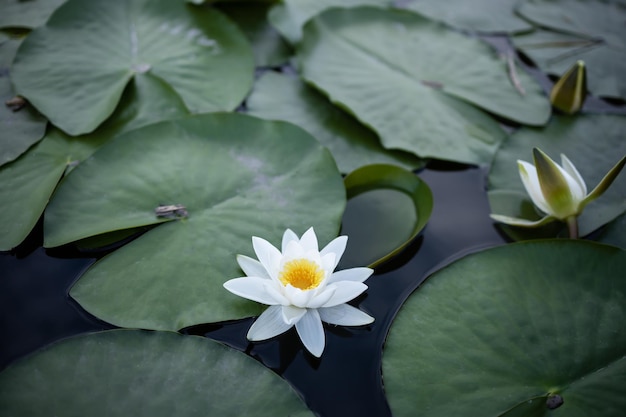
[[554, 186], [604, 183]]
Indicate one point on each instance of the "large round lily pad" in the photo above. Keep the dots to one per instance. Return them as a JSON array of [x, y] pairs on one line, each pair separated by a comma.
[[481, 16], [499, 332], [284, 97], [594, 144], [412, 80], [139, 373], [588, 30], [20, 124], [27, 183], [75, 67], [236, 176]]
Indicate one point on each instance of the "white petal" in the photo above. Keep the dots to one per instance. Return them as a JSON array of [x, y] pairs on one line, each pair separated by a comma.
[[309, 241], [252, 267], [328, 262], [528, 174], [269, 324], [579, 191], [311, 332], [336, 246], [345, 291], [292, 314], [352, 274], [267, 254], [321, 298], [297, 297], [292, 251], [288, 236], [344, 315], [252, 288]]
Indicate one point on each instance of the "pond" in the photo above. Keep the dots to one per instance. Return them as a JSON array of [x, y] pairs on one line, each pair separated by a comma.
[[150, 145]]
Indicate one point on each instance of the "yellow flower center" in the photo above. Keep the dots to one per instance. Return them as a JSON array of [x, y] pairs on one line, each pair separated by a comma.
[[302, 274]]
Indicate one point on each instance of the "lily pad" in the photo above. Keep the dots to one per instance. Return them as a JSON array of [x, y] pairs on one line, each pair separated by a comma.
[[270, 49], [290, 15], [26, 14], [284, 97], [499, 332], [237, 177], [412, 80], [594, 144], [21, 125], [197, 51], [486, 16], [27, 183], [588, 30], [138, 373], [387, 208]]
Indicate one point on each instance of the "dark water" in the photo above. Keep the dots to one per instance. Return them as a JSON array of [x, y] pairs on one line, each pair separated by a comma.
[[35, 309]]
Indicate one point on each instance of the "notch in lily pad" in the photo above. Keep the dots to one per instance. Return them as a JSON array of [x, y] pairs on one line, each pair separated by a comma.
[[387, 208]]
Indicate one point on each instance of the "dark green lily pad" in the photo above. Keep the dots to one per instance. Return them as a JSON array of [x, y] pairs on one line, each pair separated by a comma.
[[26, 14], [237, 177], [594, 144], [290, 15], [101, 45], [497, 332], [412, 80], [588, 30], [21, 126], [27, 183], [139, 373], [284, 97], [481, 16], [270, 50], [387, 208]]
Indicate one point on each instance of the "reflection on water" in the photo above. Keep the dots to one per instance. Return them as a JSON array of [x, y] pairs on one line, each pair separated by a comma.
[[35, 308]]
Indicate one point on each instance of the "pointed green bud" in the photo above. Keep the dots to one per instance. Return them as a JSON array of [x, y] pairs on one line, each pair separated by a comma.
[[569, 92]]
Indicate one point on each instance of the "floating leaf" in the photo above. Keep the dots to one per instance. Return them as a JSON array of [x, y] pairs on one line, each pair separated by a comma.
[[594, 144], [387, 208], [74, 68], [138, 373], [283, 97], [290, 15], [21, 125], [481, 15], [411, 80], [27, 183], [588, 30], [237, 177], [26, 14], [270, 50], [499, 331]]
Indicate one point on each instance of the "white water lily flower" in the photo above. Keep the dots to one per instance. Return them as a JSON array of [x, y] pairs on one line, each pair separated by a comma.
[[299, 285], [557, 190]]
